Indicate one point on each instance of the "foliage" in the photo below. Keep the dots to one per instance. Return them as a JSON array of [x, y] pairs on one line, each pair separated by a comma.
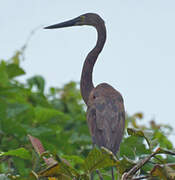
[[57, 119]]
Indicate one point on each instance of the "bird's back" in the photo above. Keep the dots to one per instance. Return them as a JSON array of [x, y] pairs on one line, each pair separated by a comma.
[[106, 117]]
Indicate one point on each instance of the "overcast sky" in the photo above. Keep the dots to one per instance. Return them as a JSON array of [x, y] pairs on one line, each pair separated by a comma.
[[138, 58]]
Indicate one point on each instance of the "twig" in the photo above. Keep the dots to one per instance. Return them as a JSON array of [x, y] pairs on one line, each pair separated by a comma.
[[112, 172], [132, 171], [92, 176], [6, 158], [143, 177], [159, 160], [99, 174], [22, 50]]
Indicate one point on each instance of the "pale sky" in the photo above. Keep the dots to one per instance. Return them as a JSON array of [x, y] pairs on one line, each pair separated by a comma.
[[138, 58]]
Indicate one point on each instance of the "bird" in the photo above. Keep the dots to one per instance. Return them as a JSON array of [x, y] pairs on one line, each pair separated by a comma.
[[105, 105]]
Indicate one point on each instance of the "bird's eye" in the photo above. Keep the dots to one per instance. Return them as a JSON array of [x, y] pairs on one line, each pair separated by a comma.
[[94, 97]]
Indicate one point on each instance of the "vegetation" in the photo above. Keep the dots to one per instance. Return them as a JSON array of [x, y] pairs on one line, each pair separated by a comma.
[[32, 120]]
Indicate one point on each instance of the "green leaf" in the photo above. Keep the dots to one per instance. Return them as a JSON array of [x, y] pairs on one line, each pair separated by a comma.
[[98, 159], [74, 160], [3, 75], [22, 166], [138, 115], [16, 57], [38, 82], [170, 159], [125, 164], [45, 114], [15, 109], [163, 140], [21, 152], [61, 170], [133, 146], [13, 70], [135, 132]]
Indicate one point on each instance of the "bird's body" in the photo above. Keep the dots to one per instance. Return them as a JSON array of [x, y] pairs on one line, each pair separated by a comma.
[[105, 116], [105, 108]]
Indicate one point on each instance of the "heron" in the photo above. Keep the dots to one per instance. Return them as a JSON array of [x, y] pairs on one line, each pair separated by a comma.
[[105, 105]]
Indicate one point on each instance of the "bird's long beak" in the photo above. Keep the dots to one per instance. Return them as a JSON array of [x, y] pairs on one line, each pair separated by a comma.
[[69, 23]]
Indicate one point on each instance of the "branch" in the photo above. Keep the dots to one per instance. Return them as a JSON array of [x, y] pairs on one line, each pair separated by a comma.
[[133, 170], [143, 177], [141, 163]]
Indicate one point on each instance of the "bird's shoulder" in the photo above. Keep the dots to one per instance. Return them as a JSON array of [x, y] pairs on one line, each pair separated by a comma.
[[105, 92]]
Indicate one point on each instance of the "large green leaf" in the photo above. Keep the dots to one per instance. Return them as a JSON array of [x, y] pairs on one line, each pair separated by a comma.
[[43, 114], [61, 169], [163, 140], [74, 160], [14, 109], [98, 159], [13, 70], [136, 132], [133, 146], [21, 152]]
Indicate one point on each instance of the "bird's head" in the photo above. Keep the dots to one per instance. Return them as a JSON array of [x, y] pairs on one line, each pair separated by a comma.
[[91, 19]]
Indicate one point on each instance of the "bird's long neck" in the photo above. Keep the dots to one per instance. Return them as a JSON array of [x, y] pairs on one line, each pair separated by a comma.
[[86, 84]]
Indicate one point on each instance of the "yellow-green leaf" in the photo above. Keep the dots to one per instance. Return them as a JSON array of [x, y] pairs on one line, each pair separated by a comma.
[[21, 152]]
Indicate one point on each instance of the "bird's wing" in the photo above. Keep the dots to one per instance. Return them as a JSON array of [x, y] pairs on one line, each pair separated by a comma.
[[106, 120]]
